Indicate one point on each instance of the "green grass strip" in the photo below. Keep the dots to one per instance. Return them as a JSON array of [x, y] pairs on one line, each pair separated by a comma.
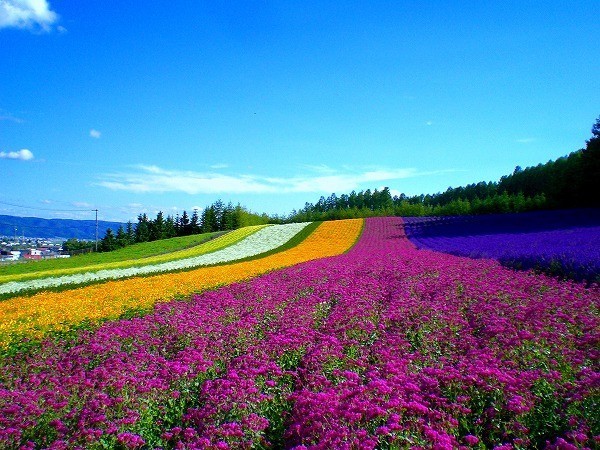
[[135, 251], [130, 257], [294, 241], [25, 344]]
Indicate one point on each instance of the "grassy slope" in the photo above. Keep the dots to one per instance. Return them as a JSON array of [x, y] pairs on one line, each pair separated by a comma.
[[134, 255], [293, 242]]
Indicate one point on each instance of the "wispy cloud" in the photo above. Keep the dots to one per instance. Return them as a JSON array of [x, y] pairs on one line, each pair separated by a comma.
[[81, 205], [30, 14], [95, 133], [10, 118], [23, 155], [525, 140], [219, 166], [319, 168], [148, 179]]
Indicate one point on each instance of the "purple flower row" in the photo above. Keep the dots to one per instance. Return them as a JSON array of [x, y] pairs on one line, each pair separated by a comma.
[[564, 242], [383, 347]]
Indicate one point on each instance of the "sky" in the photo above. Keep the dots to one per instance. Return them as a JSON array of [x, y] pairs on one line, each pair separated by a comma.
[[140, 107]]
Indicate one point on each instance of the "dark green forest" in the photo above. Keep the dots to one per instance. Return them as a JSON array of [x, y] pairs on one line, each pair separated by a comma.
[[216, 217], [571, 181]]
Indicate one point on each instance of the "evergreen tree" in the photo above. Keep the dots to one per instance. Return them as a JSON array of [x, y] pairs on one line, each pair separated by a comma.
[[109, 242], [142, 230], [195, 227], [218, 207], [230, 217], [130, 232], [121, 239], [590, 163], [170, 229], [209, 220], [157, 230], [184, 224]]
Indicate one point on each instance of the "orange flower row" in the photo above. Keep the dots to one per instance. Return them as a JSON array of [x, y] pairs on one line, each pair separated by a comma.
[[36, 315]]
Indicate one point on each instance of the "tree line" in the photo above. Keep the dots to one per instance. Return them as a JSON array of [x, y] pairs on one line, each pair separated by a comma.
[[216, 217], [568, 182]]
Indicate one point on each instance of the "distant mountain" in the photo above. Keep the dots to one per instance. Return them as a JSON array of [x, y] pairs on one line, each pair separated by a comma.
[[55, 228]]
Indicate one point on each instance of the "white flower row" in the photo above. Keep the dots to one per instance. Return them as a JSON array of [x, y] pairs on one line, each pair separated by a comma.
[[264, 240]]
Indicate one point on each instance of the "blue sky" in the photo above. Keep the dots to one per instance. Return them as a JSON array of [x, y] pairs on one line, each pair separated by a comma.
[[133, 107]]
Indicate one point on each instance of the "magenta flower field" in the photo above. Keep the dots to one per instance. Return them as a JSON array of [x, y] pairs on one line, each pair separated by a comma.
[[384, 347]]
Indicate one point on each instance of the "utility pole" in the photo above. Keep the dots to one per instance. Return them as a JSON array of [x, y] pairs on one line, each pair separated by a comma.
[[96, 228]]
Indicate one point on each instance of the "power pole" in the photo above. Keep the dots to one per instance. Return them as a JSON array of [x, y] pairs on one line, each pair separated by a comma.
[[96, 228]]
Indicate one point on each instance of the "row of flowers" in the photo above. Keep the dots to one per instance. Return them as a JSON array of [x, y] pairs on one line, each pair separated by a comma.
[[219, 243], [35, 315], [564, 243], [385, 346], [261, 241]]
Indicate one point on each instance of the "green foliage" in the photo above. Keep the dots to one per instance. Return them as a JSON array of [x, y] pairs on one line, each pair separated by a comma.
[[216, 217], [75, 246], [109, 242], [131, 252], [547, 419]]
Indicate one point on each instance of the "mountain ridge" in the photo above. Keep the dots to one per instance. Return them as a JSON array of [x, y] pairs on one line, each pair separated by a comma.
[[38, 227]]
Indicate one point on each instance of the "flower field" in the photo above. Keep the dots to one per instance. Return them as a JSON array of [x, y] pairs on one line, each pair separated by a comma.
[[381, 347], [26, 317], [255, 241], [214, 245], [565, 243]]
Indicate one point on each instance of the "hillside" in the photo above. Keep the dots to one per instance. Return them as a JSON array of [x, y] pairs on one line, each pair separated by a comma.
[[349, 335], [54, 228]]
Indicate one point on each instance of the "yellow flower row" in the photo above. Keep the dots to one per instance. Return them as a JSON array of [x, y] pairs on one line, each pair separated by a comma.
[[36, 315], [207, 247]]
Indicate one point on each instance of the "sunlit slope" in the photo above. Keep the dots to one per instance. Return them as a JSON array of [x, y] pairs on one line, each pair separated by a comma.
[[36, 315], [264, 240], [128, 257]]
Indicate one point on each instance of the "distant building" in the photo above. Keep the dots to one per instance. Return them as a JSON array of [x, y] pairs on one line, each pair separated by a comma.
[[33, 253], [12, 255]]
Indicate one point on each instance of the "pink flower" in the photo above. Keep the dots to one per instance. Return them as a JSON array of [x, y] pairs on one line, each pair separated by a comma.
[[471, 440]]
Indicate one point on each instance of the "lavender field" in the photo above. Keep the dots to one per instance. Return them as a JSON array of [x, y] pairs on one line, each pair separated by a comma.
[[384, 347], [564, 243]]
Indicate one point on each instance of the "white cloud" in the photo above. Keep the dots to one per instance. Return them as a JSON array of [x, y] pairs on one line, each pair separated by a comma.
[[95, 134], [27, 14], [219, 166], [148, 179], [23, 155], [429, 123], [393, 192], [81, 204], [525, 140]]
